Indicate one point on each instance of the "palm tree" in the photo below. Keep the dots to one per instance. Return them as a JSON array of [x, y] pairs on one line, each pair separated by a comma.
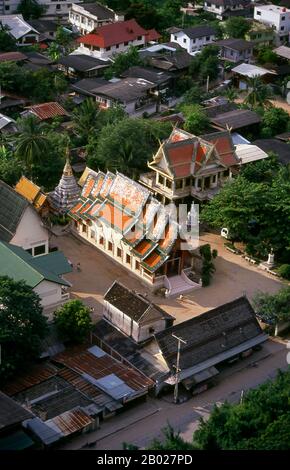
[[231, 93], [31, 143], [85, 117], [124, 161], [258, 93]]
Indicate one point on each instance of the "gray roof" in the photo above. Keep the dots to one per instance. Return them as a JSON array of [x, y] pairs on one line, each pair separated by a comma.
[[216, 110], [281, 149], [43, 26], [125, 90], [147, 73], [101, 11], [133, 304], [11, 413], [199, 31], [236, 44], [210, 334], [179, 59], [82, 62], [87, 85], [236, 119], [12, 207]]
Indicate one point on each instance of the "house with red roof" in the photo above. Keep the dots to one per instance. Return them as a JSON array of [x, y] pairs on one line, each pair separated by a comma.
[[113, 38], [187, 166]]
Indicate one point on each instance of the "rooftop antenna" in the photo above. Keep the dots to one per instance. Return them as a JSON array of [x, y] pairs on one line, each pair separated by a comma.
[[177, 368]]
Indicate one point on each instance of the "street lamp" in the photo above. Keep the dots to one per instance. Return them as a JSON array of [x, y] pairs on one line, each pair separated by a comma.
[[179, 341]]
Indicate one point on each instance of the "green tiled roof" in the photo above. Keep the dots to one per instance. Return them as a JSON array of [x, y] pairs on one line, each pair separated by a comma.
[[12, 206], [20, 265]]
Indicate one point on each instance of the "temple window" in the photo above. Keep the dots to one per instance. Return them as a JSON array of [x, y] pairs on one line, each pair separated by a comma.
[[110, 246], [169, 184], [119, 252]]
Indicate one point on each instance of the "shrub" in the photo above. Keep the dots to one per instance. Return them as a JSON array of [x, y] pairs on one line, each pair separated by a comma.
[[284, 271]]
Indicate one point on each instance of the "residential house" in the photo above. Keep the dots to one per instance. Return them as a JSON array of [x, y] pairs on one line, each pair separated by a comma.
[[33, 194], [187, 166], [260, 34], [105, 41], [169, 57], [85, 17], [10, 101], [229, 116], [135, 95], [283, 52], [12, 432], [54, 9], [242, 72], [159, 78], [277, 146], [224, 9], [122, 219], [236, 50], [42, 273], [7, 125], [278, 17], [47, 29], [133, 313], [212, 339], [194, 38], [81, 66], [20, 30], [20, 224], [223, 334], [45, 111]]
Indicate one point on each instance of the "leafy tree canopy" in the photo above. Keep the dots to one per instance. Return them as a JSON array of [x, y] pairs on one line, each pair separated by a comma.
[[31, 9], [196, 120], [22, 326], [205, 64], [274, 121], [122, 62], [237, 27], [73, 321], [127, 145], [265, 55], [7, 42], [273, 307]]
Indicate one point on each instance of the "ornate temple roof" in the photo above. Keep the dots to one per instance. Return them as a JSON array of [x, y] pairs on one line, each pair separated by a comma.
[[67, 192], [128, 208]]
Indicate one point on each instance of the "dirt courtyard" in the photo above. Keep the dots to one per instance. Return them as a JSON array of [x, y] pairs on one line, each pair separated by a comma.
[[233, 277]]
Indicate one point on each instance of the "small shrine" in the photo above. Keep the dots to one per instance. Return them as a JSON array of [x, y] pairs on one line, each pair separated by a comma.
[[67, 192]]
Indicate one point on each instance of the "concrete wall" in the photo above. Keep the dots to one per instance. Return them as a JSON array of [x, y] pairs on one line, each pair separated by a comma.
[[55, 8], [50, 293], [236, 56], [105, 54], [277, 18], [31, 232], [85, 22]]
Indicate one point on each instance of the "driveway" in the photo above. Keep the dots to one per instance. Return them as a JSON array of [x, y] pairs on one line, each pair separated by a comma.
[[233, 277]]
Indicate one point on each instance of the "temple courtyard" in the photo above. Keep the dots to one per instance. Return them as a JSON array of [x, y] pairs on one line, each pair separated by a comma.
[[234, 277]]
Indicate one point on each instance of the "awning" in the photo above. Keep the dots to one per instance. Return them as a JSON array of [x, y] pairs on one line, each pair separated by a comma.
[[199, 377]]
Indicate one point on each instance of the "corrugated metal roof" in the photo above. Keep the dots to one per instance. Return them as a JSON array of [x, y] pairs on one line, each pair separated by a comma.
[[70, 422], [250, 153], [46, 434], [36, 375], [250, 70], [47, 110]]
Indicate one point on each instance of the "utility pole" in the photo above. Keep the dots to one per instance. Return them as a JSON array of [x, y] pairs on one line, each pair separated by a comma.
[[179, 341], [207, 83]]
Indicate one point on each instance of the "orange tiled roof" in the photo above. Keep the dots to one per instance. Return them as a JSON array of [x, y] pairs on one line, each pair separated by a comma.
[[47, 110], [31, 192], [110, 214], [128, 194]]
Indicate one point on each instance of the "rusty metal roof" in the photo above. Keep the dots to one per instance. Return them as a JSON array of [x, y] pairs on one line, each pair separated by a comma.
[[47, 110], [70, 422], [85, 363], [35, 376]]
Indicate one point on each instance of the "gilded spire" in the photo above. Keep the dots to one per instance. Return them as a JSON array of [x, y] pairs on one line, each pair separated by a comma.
[[67, 171]]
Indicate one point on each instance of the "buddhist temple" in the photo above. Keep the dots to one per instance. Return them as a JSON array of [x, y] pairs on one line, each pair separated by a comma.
[[121, 218], [66, 194], [33, 194]]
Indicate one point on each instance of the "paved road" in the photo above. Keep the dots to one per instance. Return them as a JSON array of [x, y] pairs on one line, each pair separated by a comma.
[[143, 423]]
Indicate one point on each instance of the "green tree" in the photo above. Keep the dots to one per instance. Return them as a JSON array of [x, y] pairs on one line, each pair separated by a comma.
[[262, 170], [284, 271], [54, 51], [208, 267], [73, 321], [63, 38], [31, 9], [122, 62], [205, 64], [31, 144], [85, 118], [145, 14], [255, 423], [22, 326], [274, 121], [237, 27], [7, 42], [171, 441], [258, 93], [273, 307], [194, 95], [196, 120], [10, 167], [115, 141], [265, 55]]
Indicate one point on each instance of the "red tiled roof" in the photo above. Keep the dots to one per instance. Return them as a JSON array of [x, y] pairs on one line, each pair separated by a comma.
[[180, 158], [114, 33], [152, 35], [224, 147], [13, 56], [48, 110]]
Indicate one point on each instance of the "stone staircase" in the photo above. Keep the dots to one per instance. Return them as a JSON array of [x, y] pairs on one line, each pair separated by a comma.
[[180, 284]]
